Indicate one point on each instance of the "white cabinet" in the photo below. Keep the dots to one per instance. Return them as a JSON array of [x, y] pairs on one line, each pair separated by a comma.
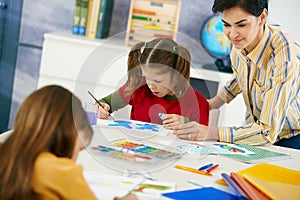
[[81, 64]]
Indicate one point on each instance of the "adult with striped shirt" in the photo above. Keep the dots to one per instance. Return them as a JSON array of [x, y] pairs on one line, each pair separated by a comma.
[[265, 63]]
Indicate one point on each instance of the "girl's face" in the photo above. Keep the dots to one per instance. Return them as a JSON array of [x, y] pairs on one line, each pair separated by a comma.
[[159, 83], [243, 29]]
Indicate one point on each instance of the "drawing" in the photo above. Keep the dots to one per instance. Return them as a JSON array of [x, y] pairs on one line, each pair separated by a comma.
[[216, 148], [232, 149], [108, 186], [134, 125]]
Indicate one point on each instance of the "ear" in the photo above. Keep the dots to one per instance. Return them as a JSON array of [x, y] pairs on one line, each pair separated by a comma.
[[263, 17]]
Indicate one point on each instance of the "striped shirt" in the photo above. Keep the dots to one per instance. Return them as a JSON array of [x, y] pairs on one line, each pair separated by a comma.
[[268, 78]]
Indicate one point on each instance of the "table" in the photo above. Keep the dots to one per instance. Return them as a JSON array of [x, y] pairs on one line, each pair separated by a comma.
[[171, 174], [181, 177]]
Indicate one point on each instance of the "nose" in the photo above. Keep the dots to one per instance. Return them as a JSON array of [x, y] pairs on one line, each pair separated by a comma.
[[151, 85], [233, 33]]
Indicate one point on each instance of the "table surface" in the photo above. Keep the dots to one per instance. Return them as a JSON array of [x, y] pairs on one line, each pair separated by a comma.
[[168, 173]]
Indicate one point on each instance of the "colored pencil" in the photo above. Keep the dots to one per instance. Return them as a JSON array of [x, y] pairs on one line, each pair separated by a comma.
[[206, 166], [212, 168], [193, 170]]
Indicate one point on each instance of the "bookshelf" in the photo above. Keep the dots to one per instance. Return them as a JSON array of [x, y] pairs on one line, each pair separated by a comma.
[[99, 65]]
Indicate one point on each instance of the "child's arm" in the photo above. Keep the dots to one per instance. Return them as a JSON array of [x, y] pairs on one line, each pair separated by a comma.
[[110, 103]]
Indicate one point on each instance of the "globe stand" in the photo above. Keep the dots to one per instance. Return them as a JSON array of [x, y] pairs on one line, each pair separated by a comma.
[[219, 66]]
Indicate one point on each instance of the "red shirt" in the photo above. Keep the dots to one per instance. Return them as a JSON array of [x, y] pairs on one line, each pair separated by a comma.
[[146, 105]]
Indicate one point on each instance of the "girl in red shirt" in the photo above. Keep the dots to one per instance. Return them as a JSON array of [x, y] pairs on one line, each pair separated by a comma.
[[158, 82]]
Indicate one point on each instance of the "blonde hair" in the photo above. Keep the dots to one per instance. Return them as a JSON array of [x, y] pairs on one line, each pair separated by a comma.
[[162, 53]]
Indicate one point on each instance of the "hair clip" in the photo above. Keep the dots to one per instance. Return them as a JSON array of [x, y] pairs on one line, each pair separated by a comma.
[[145, 44], [174, 48]]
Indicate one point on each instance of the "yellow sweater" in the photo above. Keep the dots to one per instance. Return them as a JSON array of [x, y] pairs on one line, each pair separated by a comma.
[[59, 178]]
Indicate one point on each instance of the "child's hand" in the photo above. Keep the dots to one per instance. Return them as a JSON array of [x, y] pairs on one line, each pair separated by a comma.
[[103, 111], [172, 121]]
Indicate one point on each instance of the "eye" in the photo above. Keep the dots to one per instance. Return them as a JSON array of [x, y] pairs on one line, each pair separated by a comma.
[[225, 24], [242, 25]]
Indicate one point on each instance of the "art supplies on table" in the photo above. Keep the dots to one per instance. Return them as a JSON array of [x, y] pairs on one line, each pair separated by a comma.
[[241, 152], [238, 191], [212, 168], [205, 167], [252, 192], [273, 181], [136, 128], [136, 156], [208, 193], [106, 186], [189, 169]]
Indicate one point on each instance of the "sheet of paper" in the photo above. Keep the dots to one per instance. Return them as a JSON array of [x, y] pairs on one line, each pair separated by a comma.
[[213, 148], [106, 186]]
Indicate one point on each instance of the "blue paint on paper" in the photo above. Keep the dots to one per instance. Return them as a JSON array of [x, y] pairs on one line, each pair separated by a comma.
[[138, 126], [152, 127], [122, 123]]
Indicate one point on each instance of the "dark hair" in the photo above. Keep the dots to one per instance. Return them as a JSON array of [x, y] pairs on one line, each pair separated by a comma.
[[162, 53], [254, 7], [49, 120]]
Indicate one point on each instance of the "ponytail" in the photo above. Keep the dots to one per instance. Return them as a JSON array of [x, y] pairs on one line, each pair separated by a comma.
[[134, 72], [182, 66]]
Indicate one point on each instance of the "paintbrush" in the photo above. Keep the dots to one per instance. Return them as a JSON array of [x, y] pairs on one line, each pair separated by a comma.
[[99, 103]]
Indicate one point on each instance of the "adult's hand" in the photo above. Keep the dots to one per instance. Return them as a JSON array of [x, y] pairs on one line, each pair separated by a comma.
[[197, 132]]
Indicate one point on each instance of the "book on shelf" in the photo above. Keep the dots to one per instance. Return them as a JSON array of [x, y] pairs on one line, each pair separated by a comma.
[[76, 18], [93, 16], [83, 16], [104, 21]]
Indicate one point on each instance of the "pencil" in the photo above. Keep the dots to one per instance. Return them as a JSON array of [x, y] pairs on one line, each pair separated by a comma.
[[99, 103], [212, 168], [193, 170], [206, 166]]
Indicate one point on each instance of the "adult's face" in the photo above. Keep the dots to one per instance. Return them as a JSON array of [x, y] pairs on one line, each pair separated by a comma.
[[243, 29]]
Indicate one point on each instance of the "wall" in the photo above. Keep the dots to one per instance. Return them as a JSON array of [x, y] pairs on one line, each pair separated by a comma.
[[287, 14], [44, 16]]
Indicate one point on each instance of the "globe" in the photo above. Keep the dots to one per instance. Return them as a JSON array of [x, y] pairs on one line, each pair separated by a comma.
[[214, 41]]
